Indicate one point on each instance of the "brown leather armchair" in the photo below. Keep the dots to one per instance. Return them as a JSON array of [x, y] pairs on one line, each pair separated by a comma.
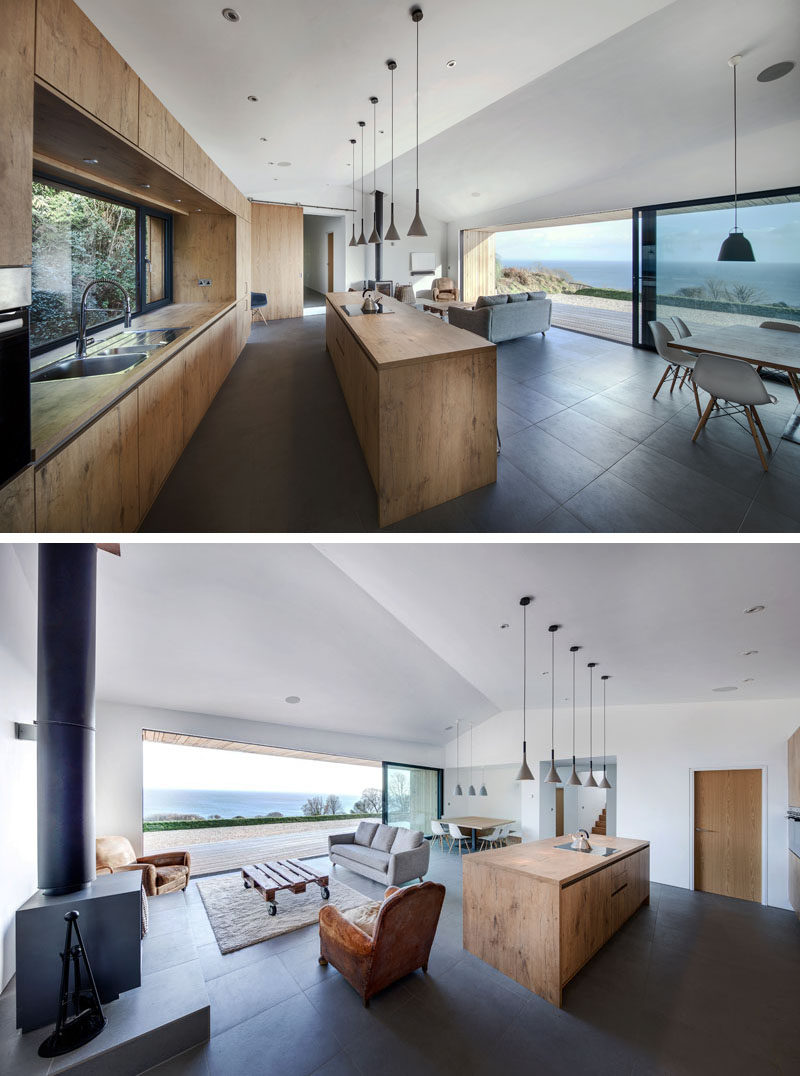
[[161, 873], [444, 290], [401, 940]]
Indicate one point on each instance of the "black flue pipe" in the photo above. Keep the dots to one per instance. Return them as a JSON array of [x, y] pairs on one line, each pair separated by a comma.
[[65, 716], [379, 228]]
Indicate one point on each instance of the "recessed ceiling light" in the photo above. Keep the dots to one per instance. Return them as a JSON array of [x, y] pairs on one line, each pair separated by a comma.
[[447, 728], [284, 164], [179, 200], [292, 699], [145, 186], [230, 15], [503, 627], [251, 97], [476, 194], [198, 210], [270, 162], [756, 609], [262, 139], [769, 74], [748, 680], [728, 687], [747, 653], [450, 63], [90, 160]]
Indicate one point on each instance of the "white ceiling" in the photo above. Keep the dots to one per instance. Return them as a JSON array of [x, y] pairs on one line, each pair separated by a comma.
[[400, 640]]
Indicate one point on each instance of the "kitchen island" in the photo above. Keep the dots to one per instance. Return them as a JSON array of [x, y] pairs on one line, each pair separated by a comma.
[[538, 913], [423, 399]]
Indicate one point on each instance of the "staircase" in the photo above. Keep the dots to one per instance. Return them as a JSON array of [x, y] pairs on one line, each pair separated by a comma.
[[600, 825]]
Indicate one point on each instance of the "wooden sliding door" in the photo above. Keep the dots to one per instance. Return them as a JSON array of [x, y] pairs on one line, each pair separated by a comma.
[[276, 253], [727, 833], [478, 267]]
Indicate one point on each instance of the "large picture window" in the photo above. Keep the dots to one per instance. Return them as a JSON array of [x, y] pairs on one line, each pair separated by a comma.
[[78, 237]]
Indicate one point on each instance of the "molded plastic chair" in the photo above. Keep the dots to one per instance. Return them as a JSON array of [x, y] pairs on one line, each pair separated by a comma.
[[681, 326], [440, 833], [675, 360], [736, 383], [460, 839], [784, 326], [258, 300], [494, 838]]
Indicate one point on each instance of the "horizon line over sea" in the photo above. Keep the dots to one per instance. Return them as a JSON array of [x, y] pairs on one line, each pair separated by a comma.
[[232, 803]]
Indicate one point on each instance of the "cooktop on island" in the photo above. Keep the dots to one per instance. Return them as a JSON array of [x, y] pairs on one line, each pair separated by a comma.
[[353, 310]]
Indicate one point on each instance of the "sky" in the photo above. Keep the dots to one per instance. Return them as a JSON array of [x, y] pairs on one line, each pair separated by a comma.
[[175, 766], [773, 230]]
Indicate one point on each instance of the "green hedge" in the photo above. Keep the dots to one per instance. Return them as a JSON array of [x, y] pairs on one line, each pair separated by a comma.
[[605, 293], [213, 823]]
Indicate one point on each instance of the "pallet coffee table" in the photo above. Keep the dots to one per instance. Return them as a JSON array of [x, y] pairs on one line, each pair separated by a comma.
[[269, 878]]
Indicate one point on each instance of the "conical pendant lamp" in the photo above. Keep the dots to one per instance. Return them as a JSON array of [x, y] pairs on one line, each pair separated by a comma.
[[552, 777], [361, 241], [392, 233], [353, 241], [374, 237], [471, 789], [604, 783], [417, 227], [457, 790], [735, 248], [573, 778], [524, 770], [482, 790], [590, 781]]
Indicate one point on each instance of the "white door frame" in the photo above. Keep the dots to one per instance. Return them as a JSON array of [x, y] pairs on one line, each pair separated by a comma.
[[764, 843]]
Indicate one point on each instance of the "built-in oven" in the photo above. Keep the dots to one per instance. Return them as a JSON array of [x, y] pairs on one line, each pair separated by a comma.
[[793, 815], [15, 373]]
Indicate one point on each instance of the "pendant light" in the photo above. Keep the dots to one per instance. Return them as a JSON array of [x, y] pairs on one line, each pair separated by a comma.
[[374, 238], [353, 242], [605, 783], [471, 789], [524, 770], [590, 781], [392, 233], [573, 778], [552, 777], [417, 227], [457, 791], [735, 248], [482, 790], [361, 241]]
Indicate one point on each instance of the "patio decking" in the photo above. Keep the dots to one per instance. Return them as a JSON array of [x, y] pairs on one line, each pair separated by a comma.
[[594, 320]]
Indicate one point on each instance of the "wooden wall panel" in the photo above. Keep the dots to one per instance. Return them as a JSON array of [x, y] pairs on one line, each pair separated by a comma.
[[74, 57], [794, 769], [17, 503], [160, 134], [243, 259], [478, 265], [276, 247], [18, 20], [204, 246]]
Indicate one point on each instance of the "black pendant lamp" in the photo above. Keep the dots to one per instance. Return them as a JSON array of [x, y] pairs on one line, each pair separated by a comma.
[[392, 233], [375, 237], [573, 778], [604, 783], [361, 241], [552, 777], [457, 790], [353, 241], [590, 781], [735, 248], [524, 770], [417, 227]]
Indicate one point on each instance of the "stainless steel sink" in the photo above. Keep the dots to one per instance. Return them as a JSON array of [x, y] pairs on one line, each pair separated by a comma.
[[589, 851], [91, 366]]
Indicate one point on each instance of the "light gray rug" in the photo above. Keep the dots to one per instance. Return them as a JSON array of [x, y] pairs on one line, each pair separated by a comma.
[[239, 916]]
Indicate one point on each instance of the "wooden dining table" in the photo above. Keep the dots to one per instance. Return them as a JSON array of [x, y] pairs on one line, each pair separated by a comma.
[[476, 823], [768, 348]]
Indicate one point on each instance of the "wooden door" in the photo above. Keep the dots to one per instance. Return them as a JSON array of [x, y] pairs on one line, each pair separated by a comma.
[[559, 812], [727, 837], [276, 253], [330, 261]]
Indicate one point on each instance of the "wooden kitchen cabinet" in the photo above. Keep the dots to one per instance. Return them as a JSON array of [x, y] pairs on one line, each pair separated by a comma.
[[242, 258], [17, 503], [16, 128], [160, 134], [207, 361], [161, 433], [92, 483], [75, 59]]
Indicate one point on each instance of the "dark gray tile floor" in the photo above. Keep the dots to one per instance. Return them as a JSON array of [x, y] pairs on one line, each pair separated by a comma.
[[585, 448], [691, 984]]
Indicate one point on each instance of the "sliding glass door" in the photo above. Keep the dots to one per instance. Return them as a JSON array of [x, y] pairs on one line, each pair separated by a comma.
[[412, 796], [676, 271]]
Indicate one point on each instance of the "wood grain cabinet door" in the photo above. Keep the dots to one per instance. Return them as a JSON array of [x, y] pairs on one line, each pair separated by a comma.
[[585, 921], [160, 134], [16, 129], [161, 434], [727, 837], [17, 503]]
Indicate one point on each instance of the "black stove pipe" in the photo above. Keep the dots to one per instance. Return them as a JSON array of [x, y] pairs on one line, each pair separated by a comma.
[[65, 716]]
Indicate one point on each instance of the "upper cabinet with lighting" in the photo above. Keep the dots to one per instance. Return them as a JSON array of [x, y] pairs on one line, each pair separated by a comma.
[[75, 59], [16, 129]]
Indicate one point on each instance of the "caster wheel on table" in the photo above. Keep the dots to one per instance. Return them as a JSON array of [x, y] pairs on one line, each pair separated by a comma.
[[325, 892], [272, 909]]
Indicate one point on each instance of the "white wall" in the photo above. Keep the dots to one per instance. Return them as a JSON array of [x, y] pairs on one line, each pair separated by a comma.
[[397, 255], [17, 757], [656, 748], [502, 800], [119, 753]]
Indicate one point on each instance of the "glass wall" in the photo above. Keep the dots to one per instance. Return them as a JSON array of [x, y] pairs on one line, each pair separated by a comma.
[[412, 796], [679, 273]]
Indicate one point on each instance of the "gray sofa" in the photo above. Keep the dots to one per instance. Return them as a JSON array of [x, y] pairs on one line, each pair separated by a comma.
[[390, 855], [505, 317]]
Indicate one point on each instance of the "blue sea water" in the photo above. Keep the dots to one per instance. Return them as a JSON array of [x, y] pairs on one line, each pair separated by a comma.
[[779, 281], [206, 802]]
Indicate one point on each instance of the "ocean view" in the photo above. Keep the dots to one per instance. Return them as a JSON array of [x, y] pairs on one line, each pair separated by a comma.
[[207, 802], [779, 281]]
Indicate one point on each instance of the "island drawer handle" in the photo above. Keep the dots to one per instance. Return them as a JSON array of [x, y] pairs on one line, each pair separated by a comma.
[[624, 886]]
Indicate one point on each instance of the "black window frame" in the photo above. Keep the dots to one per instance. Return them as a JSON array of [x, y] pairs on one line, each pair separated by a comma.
[[410, 766], [142, 210]]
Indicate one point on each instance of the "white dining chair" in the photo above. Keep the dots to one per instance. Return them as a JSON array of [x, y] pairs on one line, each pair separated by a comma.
[[460, 839], [677, 361], [681, 326], [441, 833], [738, 386], [492, 839], [783, 326]]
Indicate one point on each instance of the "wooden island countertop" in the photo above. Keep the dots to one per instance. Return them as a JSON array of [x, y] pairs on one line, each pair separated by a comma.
[[538, 913]]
